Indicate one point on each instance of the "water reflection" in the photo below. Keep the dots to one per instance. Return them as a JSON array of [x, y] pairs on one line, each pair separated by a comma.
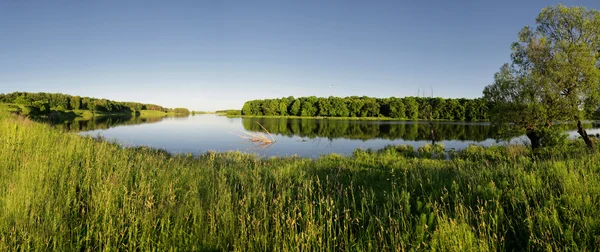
[[302, 137], [105, 122], [366, 130]]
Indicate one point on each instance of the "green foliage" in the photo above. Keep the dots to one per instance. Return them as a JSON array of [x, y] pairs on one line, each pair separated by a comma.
[[20, 100], [63, 192], [63, 102], [41, 106], [510, 153], [397, 110], [294, 110], [181, 111], [151, 113], [76, 102], [403, 150], [308, 108], [554, 76], [554, 136], [354, 106], [412, 108], [434, 151], [47, 106], [229, 112]]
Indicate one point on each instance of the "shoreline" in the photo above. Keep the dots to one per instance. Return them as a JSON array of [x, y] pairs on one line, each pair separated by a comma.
[[352, 118]]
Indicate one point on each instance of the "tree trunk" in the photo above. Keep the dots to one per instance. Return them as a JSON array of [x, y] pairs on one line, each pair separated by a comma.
[[534, 138], [431, 133], [584, 135]]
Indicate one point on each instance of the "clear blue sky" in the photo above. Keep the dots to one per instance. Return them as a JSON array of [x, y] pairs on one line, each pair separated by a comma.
[[208, 55]]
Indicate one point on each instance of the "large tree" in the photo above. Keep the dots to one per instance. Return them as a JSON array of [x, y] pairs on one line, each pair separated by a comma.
[[554, 76]]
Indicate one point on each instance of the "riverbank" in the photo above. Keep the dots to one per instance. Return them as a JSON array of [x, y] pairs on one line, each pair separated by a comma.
[[87, 114], [142, 113], [61, 191], [351, 118]]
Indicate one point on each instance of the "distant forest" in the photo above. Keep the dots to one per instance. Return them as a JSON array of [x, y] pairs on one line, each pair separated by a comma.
[[43, 102], [410, 108]]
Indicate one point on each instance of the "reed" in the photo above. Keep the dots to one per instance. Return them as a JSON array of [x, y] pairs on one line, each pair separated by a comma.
[[63, 192]]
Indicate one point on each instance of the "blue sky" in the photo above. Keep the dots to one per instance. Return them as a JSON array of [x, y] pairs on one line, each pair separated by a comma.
[[208, 55]]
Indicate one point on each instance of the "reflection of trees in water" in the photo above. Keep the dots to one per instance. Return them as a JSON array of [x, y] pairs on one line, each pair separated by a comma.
[[105, 122], [365, 130]]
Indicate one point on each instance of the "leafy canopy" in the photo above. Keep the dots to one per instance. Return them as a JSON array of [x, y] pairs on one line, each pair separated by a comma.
[[555, 72]]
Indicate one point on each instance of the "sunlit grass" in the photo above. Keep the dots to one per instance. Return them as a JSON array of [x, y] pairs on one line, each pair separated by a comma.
[[152, 113], [63, 192]]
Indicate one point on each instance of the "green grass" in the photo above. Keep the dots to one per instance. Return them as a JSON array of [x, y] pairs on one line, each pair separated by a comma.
[[86, 114], [152, 113], [64, 192], [11, 107], [172, 113]]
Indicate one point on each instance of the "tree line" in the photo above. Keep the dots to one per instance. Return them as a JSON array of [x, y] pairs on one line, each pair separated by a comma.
[[411, 108], [45, 102]]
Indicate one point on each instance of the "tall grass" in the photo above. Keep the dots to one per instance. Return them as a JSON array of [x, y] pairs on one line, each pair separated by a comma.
[[60, 191]]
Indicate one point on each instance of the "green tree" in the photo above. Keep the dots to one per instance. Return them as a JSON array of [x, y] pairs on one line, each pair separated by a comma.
[[471, 110], [457, 110], [283, 107], [437, 106], [397, 109], [270, 107], [324, 105], [21, 100], [370, 107], [247, 108], [309, 107], [355, 105], [42, 107], [412, 108], [295, 109], [554, 75], [75, 102], [338, 107]]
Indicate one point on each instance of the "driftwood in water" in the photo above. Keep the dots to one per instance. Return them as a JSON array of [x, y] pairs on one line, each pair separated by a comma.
[[260, 139]]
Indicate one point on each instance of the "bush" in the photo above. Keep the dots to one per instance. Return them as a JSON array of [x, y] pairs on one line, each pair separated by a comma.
[[554, 137], [434, 151], [234, 113]]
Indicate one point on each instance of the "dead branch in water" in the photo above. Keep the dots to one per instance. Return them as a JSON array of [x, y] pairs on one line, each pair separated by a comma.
[[272, 139], [260, 139]]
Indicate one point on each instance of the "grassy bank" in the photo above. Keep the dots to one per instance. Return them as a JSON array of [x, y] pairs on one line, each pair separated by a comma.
[[83, 114], [173, 114], [152, 113], [87, 114], [60, 191]]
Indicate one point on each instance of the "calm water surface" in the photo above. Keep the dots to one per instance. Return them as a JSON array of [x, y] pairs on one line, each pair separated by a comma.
[[303, 137]]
